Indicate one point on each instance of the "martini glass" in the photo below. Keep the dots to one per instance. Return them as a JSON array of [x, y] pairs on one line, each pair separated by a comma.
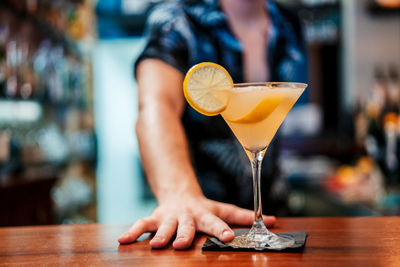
[[254, 114]]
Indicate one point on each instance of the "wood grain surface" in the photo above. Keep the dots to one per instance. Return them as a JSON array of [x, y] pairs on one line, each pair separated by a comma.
[[366, 241]]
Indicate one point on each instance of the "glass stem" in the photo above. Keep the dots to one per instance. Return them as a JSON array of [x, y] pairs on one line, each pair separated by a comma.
[[256, 160]]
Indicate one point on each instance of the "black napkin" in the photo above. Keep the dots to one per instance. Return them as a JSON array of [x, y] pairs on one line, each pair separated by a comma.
[[213, 244]]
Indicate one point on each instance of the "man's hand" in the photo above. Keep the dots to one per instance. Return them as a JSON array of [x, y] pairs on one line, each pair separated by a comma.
[[183, 208], [184, 215]]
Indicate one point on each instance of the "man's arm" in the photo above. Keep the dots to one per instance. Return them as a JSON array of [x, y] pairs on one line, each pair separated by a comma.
[[182, 209], [161, 136]]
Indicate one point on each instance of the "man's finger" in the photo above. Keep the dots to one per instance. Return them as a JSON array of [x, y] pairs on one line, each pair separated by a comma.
[[137, 229], [212, 225], [237, 216], [185, 233], [164, 233], [269, 221]]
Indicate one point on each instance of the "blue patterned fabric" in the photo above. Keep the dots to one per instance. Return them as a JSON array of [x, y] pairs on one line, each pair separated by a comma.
[[184, 33]]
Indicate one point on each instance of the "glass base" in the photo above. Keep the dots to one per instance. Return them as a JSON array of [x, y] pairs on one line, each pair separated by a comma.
[[259, 238]]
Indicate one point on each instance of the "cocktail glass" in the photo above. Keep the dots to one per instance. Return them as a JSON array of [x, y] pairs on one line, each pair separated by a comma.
[[254, 114]]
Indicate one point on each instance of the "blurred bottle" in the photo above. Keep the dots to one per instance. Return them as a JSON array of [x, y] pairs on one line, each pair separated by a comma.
[[40, 63], [375, 105], [361, 124], [4, 31], [27, 79], [379, 90], [382, 141], [13, 60], [391, 122], [394, 87]]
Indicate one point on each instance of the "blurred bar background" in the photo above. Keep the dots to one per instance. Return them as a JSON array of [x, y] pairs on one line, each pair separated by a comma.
[[68, 150]]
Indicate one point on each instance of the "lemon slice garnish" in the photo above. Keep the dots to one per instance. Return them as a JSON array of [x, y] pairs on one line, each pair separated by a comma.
[[261, 111], [205, 87]]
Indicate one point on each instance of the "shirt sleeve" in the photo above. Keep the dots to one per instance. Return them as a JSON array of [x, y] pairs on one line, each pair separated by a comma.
[[165, 37]]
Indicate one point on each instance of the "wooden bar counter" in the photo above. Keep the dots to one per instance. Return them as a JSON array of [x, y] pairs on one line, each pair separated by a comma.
[[365, 241]]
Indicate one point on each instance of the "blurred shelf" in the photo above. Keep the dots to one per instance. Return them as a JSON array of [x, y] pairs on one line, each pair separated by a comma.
[[70, 45], [313, 200], [46, 110], [19, 111], [331, 145]]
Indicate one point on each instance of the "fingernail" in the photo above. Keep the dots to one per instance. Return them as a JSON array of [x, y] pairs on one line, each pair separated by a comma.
[[226, 233], [124, 236], [157, 238], [181, 238]]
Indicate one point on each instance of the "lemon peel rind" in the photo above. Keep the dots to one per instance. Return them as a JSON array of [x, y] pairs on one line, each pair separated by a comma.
[[189, 99]]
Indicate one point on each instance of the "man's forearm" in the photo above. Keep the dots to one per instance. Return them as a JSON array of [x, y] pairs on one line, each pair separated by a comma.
[[164, 152]]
